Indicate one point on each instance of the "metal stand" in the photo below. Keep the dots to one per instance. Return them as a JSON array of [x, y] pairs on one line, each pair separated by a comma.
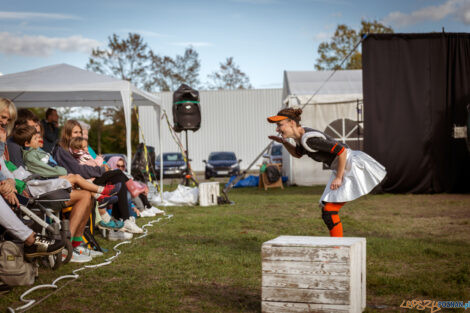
[[187, 176]]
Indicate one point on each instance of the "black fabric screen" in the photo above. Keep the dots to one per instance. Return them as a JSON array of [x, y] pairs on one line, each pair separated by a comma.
[[416, 88]]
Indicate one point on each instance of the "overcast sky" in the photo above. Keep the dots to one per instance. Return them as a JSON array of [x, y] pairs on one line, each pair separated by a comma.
[[265, 37]]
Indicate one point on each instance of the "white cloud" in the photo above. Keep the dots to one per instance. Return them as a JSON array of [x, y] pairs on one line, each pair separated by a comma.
[[431, 13], [193, 44], [464, 13], [44, 46], [35, 15], [322, 36]]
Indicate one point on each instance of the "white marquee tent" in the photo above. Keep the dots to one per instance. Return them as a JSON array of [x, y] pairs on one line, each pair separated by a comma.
[[64, 85], [333, 110]]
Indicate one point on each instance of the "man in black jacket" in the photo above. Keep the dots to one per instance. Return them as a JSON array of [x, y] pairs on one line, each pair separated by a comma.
[[51, 129]]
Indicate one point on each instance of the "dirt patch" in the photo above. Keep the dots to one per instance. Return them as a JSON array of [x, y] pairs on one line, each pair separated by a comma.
[[225, 298]]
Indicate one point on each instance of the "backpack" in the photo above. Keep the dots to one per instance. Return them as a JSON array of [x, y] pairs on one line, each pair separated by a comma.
[[14, 270]]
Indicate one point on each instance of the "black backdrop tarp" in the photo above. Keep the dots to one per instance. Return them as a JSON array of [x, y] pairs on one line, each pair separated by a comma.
[[416, 88]]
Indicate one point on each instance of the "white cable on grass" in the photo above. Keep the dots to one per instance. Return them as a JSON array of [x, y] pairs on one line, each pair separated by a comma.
[[31, 302]]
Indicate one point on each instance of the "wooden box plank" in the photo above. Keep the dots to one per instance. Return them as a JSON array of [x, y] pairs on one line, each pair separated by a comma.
[[306, 282], [287, 307], [306, 254], [305, 295], [305, 268]]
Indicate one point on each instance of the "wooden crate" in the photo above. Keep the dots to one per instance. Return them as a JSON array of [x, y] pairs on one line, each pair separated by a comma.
[[208, 193], [313, 274]]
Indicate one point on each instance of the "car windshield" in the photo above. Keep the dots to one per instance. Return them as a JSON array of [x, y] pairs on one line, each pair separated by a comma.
[[222, 156], [171, 157], [277, 150]]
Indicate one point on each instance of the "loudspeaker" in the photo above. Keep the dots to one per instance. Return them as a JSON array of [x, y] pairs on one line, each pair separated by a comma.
[[186, 109]]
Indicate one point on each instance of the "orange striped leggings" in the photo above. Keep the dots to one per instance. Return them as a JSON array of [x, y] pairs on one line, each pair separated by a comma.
[[331, 218]]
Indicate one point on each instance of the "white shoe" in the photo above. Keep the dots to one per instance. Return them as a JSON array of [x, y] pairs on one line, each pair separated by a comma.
[[119, 235], [90, 252], [131, 227], [156, 210], [78, 257], [147, 213]]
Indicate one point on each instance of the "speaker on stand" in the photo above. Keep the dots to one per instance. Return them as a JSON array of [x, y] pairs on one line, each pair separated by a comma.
[[186, 116]]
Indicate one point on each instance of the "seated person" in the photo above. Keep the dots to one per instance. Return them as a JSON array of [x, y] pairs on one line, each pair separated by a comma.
[[40, 162], [141, 201], [101, 174], [79, 150]]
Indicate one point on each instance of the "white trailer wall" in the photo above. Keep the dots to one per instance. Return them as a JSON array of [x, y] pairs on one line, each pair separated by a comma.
[[232, 120]]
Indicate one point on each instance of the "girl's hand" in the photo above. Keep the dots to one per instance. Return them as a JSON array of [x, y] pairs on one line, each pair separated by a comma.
[[276, 139], [336, 183]]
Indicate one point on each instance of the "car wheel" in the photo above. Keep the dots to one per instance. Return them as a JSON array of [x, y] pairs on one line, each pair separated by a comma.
[[207, 176]]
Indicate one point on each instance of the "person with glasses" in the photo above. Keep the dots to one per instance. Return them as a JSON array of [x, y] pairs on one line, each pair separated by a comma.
[[141, 200]]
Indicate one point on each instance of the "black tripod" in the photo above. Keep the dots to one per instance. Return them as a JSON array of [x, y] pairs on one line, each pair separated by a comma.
[[187, 176]]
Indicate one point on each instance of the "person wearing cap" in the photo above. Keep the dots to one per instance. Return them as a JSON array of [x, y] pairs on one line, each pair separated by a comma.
[[354, 173]]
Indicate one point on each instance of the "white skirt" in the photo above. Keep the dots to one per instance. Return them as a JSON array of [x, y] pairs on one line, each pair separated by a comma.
[[361, 175]]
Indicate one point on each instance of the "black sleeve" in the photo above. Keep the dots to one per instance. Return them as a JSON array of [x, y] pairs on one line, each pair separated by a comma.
[[66, 160], [14, 153], [325, 145], [300, 150]]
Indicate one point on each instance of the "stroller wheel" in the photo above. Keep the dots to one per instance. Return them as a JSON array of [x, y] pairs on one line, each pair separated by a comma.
[[53, 261], [66, 252]]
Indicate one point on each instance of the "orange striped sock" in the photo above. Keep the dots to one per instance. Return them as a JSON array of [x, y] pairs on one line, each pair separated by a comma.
[[337, 230]]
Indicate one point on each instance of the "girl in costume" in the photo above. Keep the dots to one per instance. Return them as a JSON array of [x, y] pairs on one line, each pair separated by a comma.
[[354, 173]]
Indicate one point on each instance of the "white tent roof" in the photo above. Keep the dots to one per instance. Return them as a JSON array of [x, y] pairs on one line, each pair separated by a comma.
[[344, 85], [65, 85]]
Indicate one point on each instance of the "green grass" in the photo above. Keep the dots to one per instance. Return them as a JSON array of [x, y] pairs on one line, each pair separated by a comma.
[[207, 259]]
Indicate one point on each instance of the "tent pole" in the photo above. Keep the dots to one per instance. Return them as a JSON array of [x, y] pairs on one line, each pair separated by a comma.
[[128, 117], [161, 152]]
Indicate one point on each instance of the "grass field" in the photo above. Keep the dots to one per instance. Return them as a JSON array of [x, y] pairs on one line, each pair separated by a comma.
[[207, 259]]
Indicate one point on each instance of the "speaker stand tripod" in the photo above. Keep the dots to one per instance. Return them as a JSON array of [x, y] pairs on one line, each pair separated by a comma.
[[187, 176]]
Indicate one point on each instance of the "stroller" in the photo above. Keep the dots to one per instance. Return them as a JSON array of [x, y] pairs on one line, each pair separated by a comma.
[[44, 210]]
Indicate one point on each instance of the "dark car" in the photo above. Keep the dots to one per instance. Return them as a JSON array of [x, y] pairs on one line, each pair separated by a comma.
[[222, 164], [173, 165], [274, 155]]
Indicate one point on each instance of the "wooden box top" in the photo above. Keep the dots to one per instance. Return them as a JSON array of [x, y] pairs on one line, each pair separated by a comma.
[[312, 241]]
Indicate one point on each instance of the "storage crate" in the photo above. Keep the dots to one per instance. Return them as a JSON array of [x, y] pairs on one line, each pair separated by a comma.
[[208, 193], [313, 274]]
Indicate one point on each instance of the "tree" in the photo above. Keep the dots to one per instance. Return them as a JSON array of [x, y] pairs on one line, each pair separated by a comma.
[[126, 59], [168, 73], [332, 52], [229, 76]]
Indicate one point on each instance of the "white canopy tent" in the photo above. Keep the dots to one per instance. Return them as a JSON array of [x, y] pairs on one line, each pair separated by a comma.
[[333, 110], [63, 85]]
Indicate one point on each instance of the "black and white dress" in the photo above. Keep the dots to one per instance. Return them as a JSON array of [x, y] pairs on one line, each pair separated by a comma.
[[361, 174]]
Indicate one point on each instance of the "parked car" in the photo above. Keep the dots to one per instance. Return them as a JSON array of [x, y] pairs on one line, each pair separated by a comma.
[[173, 165], [274, 155], [222, 164]]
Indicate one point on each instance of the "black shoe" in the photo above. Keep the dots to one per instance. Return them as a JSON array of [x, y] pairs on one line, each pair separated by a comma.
[[43, 246]]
